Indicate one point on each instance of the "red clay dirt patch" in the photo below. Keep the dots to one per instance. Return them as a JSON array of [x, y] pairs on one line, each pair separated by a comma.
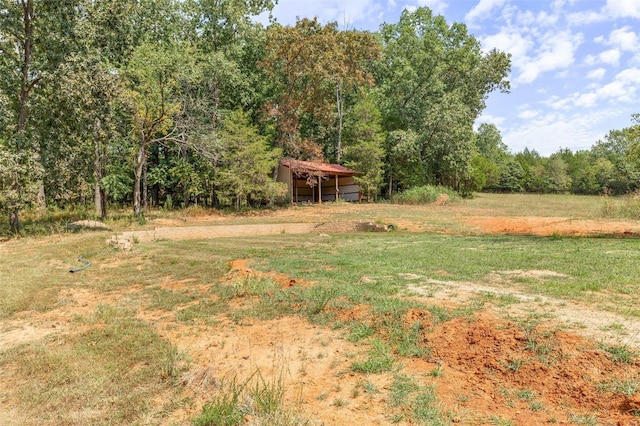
[[240, 270], [529, 377], [545, 226]]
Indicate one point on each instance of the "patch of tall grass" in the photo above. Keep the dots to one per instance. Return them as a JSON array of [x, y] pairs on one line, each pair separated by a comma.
[[258, 397], [624, 207], [426, 195]]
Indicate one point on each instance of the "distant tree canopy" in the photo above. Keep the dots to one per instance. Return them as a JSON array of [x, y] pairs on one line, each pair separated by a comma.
[[611, 166], [152, 103]]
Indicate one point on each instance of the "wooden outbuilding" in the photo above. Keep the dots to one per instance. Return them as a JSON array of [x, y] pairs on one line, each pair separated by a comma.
[[311, 182]]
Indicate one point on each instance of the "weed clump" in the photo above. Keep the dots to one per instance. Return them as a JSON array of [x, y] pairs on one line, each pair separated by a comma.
[[426, 195]]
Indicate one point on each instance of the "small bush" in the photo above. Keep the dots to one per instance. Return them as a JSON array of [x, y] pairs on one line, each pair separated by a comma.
[[426, 195]]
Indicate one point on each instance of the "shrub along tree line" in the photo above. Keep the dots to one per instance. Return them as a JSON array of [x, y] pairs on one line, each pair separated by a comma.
[[176, 102]]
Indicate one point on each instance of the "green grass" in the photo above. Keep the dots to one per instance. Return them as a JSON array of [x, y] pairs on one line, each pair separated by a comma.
[[628, 386], [415, 403], [380, 360], [105, 375], [620, 354], [604, 265], [115, 363]]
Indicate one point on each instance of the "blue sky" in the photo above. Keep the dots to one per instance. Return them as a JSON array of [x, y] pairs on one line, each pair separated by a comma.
[[575, 63]]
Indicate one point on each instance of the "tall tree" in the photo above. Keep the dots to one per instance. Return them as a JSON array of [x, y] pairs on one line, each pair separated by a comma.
[[364, 152], [490, 157], [247, 164], [33, 41], [434, 80], [312, 67], [221, 25], [154, 77]]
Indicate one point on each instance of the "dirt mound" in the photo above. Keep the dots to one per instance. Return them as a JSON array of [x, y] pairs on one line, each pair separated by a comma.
[[240, 270]]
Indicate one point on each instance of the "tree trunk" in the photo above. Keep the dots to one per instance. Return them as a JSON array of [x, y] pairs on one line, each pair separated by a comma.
[[137, 174], [340, 115], [145, 188], [26, 85], [99, 197], [185, 187], [41, 200], [275, 179], [14, 220], [97, 200]]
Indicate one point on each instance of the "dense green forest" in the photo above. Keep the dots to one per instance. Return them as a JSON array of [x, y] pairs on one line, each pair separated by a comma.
[[168, 103]]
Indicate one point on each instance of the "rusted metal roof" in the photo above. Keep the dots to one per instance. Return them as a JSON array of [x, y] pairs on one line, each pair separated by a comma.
[[309, 166]]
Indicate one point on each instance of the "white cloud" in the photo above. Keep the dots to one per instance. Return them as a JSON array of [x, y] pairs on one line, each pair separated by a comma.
[[528, 114], [511, 42], [614, 9], [610, 57], [624, 88], [597, 74], [482, 10], [623, 8], [546, 19], [556, 52], [624, 39], [590, 60], [550, 132], [490, 119], [620, 40], [586, 17]]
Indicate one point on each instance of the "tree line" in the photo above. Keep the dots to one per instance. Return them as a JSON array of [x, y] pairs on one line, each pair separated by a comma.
[[162, 103], [611, 166]]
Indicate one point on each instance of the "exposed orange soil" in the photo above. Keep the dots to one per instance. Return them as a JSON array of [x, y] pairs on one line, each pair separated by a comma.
[[544, 226]]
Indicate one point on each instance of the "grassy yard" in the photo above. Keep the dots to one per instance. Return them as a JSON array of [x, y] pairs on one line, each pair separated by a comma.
[[112, 365]]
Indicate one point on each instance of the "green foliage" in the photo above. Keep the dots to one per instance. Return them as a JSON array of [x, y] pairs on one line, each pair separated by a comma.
[[19, 176], [425, 195], [248, 162], [404, 167], [434, 82], [512, 178], [333, 64], [363, 146]]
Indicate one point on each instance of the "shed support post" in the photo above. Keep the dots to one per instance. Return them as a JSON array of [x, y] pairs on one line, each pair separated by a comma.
[[319, 189], [294, 189], [337, 188]]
